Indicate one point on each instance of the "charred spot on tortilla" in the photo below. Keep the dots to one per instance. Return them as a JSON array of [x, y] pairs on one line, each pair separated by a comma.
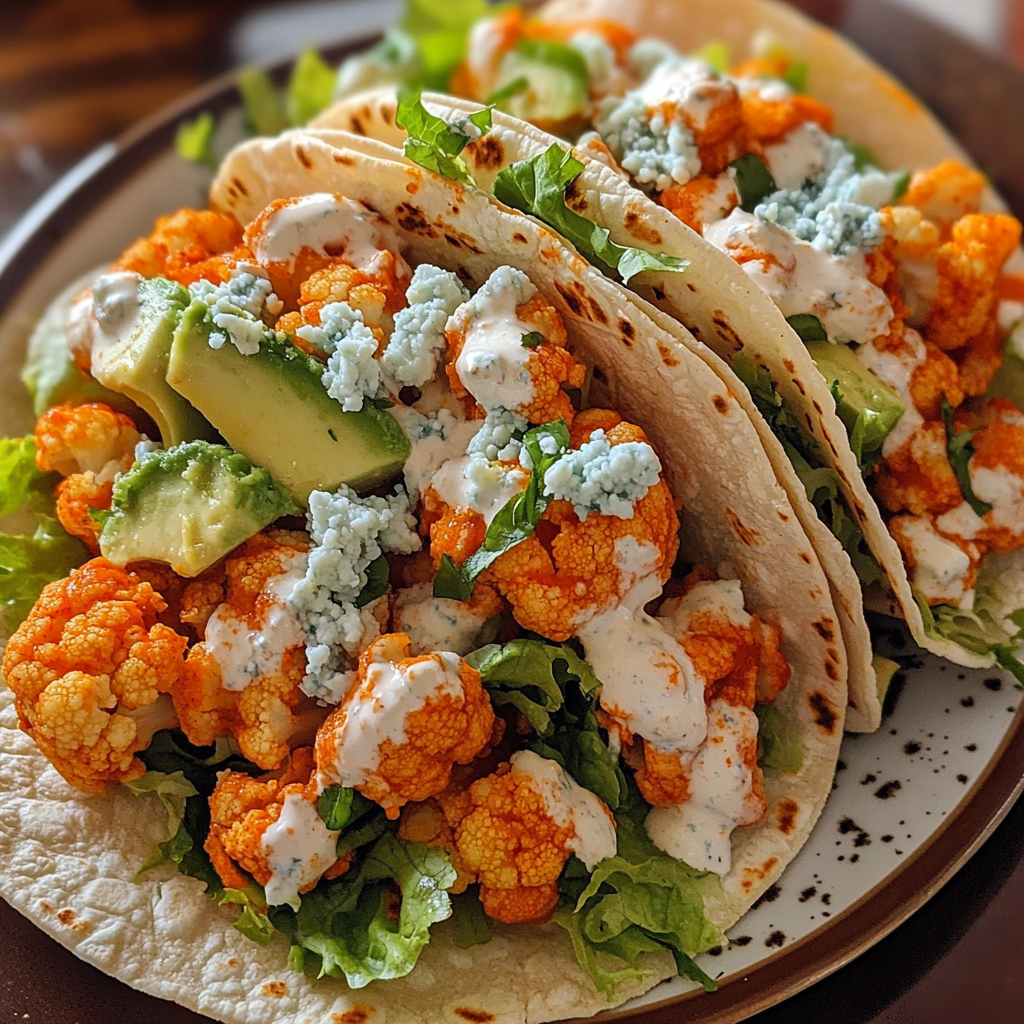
[[387, 114], [575, 197], [359, 1014], [356, 125], [806, 558], [571, 300], [823, 711], [817, 407], [637, 226], [486, 153], [344, 159], [461, 240], [238, 184], [412, 218], [824, 629], [783, 517], [726, 331], [786, 814], [303, 157], [520, 237], [669, 359], [831, 671], [275, 989], [744, 534], [799, 386], [474, 1016], [69, 920], [721, 404], [659, 292], [596, 310], [692, 287], [412, 188], [754, 876]]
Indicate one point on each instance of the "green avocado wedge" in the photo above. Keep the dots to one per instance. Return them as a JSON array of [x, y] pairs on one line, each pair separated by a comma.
[[188, 506], [273, 408], [134, 362]]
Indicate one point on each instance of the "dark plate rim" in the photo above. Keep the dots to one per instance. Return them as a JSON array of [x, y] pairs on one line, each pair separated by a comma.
[[831, 946]]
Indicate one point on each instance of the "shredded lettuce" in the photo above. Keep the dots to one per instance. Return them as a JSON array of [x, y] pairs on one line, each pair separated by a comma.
[[193, 140], [434, 143], [537, 186], [515, 521], [28, 561], [253, 922], [261, 102], [350, 926], [779, 740], [556, 692], [172, 789], [310, 88], [640, 901], [437, 31]]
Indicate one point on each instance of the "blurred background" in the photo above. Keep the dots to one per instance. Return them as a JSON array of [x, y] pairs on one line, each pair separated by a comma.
[[74, 73]]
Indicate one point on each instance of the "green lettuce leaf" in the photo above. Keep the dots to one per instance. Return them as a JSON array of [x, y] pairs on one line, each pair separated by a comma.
[[514, 522], [808, 327], [261, 102], [537, 186], [472, 925], [754, 181], [350, 927], [172, 789], [28, 561], [435, 143], [378, 577], [779, 740], [960, 448], [193, 141], [438, 31], [556, 692], [310, 88], [253, 922]]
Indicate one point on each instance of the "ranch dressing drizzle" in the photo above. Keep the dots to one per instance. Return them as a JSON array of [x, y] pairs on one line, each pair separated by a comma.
[[299, 848], [244, 654], [435, 439], [569, 806], [721, 794], [896, 368], [801, 278], [383, 702], [802, 154], [328, 224], [939, 565], [721, 598], [436, 623], [473, 482], [111, 313]]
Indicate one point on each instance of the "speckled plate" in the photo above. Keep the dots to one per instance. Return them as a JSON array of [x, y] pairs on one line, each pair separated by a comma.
[[910, 803]]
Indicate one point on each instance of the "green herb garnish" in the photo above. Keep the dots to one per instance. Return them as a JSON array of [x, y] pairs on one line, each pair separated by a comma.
[[532, 340], [378, 576], [753, 181], [960, 448]]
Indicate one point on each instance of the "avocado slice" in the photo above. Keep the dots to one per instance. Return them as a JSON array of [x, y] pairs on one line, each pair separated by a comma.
[[868, 408], [273, 407], [134, 363], [50, 374], [885, 669], [189, 506]]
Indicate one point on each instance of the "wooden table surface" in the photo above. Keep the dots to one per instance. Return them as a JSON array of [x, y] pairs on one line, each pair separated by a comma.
[[76, 72]]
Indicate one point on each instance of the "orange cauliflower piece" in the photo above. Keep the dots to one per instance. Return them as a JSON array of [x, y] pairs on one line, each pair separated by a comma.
[[241, 810], [89, 655], [513, 846], [969, 266], [945, 193], [955, 582], [260, 715], [697, 202], [769, 120], [432, 713], [935, 377], [181, 247], [917, 477], [549, 364]]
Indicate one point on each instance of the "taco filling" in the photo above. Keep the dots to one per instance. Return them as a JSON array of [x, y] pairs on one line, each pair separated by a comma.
[[461, 667], [896, 282]]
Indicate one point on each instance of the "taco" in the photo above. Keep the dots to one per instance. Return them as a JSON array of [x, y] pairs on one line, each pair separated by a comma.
[[869, 343], [432, 703]]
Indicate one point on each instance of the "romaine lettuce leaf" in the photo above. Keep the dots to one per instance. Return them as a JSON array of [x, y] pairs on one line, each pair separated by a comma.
[[193, 141], [348, 927], [28, 561], [310, 88], [537, 186], [253, 922], [435, 143]]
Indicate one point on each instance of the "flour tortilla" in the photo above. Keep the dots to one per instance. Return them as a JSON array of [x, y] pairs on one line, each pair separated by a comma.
[[715, 300], [67, 860]]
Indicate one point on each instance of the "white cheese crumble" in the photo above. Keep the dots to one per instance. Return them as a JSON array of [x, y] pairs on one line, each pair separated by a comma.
[[238, 308], [646, 54], [495, 441], [605, 478], [410, 358], [352, 373]]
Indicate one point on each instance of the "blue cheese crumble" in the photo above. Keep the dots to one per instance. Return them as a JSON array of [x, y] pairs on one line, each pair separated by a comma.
[[600, 477], [238, 308], [496, 440], [410, 359], [837, 210], [347, 533], [352, 373]]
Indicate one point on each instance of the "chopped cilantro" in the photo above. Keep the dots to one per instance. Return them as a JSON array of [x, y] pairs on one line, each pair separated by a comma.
[[533, 339], [960, 448]]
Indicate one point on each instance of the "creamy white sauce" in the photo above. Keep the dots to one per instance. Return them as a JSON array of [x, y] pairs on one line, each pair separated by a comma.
[[378, 712], [939, 565], [1004, 492], [801, 278], [299, 848], [802, 154], [493, 364], [244, 654], [721, 795], [691, 88], [431, 450], [436, 623], [720, 201], [326, 224], [648, 681], [111, 316], [896, 368], [473, 482], [569, 806], [723, 599], [635, 560]]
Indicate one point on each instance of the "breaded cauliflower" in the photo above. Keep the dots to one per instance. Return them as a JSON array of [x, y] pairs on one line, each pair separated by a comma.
[[232, 686], [945, 193], [936, 377], [89, 655], [186, 246], [242, 808], [917, 477], [88, 445], [770, 118], [403, 724], [549, 364]]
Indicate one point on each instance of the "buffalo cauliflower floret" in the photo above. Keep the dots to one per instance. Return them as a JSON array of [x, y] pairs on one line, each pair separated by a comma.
[[945, 193], [90, 654], [942, 568], [242, 808], [88, 445], [403, 724], [186, 246], [244, 675], [526, 376]]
